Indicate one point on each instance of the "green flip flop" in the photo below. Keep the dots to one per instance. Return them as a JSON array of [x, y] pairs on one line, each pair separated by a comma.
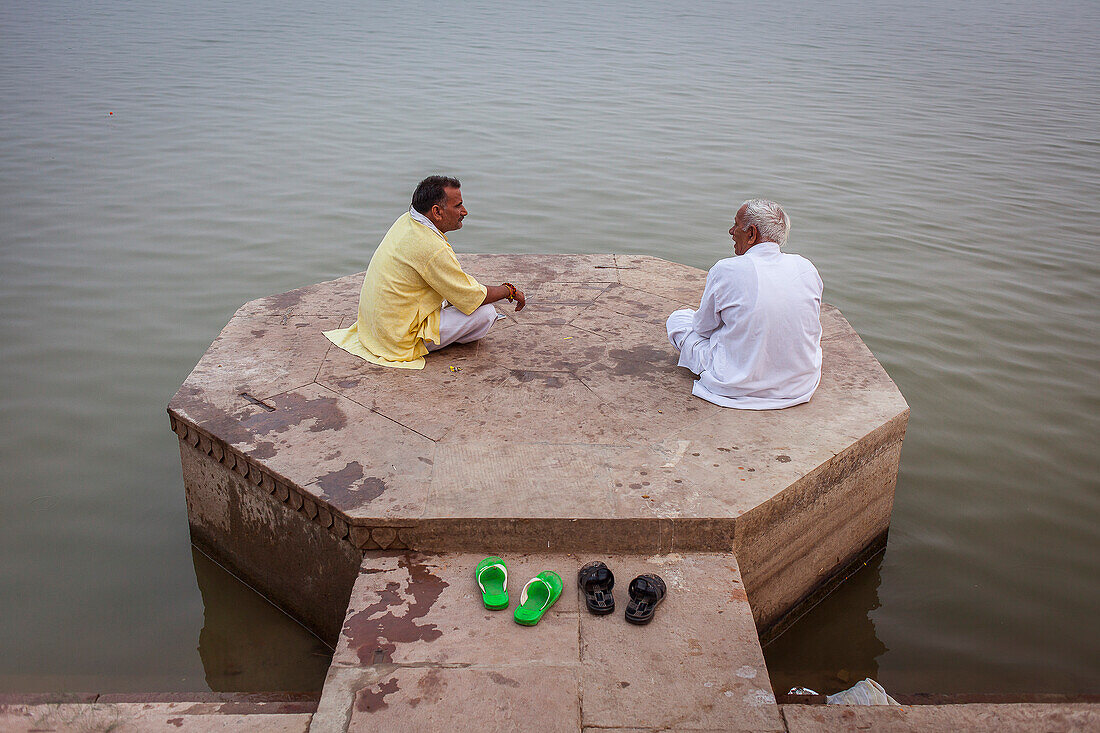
[[492, 577], [538, 595]]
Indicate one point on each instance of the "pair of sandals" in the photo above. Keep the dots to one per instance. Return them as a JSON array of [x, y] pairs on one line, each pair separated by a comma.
[[539, 593], [646, 593]]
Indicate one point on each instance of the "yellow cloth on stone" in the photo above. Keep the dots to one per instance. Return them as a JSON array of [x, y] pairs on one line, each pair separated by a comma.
[[411, 273]]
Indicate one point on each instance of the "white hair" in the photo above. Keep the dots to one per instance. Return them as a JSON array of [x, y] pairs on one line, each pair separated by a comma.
[[769, 219]]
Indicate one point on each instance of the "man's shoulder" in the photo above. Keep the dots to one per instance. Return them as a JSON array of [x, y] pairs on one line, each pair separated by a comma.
[[731, 266], [799, 261], [727, 262], [403, 226], [412, 234]]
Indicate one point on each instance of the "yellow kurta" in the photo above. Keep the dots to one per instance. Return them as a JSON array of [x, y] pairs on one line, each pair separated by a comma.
[[413, 270]]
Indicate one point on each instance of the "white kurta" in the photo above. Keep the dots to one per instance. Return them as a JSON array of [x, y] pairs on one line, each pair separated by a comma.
[[755, 341]]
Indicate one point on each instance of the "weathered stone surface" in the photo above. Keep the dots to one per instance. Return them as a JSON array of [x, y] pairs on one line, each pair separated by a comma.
[[149, 716], [419, 646], [270, 703], [1003, 718], [696, 666], [662, 278], [794, 542], [518, 697], [298, 564], [528, 271], [557, 303], [334, 298], [251, 360], [569, 427], [572, 408], [46, 698], [414, 608]]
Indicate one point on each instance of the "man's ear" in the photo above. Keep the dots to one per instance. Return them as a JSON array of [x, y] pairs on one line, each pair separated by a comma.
[[754, 234]]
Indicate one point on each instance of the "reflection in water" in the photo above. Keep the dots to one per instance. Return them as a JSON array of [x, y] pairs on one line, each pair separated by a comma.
[[247, 644], [834, 645]]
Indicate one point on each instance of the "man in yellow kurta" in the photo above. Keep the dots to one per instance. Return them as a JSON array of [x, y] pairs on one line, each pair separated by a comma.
[[401, 313]]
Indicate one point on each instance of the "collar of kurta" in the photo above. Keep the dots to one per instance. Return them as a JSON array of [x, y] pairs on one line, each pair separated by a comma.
[[763, 248], [417, 216]]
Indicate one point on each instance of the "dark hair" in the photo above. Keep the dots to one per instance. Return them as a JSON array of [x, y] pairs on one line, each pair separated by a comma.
[[429, 192]]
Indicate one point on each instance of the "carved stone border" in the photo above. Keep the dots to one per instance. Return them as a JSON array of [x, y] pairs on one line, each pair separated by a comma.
[[287, 492]]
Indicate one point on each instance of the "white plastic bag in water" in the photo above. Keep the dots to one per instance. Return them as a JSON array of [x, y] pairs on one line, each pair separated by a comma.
[[867, 692]]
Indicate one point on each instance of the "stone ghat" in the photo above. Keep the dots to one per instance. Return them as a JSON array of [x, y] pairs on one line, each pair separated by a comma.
[[568, 428], [567, 433], [360, 498]]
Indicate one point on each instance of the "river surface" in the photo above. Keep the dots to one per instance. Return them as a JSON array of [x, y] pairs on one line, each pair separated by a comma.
[[162, 163]]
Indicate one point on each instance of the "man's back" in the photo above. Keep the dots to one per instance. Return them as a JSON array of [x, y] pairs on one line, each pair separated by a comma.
[[761, 314], [410, 274], [413, 271]]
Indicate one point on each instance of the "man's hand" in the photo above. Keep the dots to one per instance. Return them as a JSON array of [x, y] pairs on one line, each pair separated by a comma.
[[505, 291]]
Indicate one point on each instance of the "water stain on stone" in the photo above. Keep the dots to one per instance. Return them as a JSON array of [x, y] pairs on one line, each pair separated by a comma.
[[523, 376], [243, 427], [431, 684], [262, 450], [284, 302], [372, 699], [192, 400], [259, 332], [738, 595], [377, 627], [641, 361], [372, 488], [500, 679], [422, 459], [293, 409], [336, 485]]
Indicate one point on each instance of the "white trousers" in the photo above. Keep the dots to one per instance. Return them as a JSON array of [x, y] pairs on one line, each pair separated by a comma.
[[694, 349], [457, 327]]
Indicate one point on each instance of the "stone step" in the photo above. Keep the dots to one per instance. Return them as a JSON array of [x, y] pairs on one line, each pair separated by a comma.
[[419, 650], [142, 717], [1002, 718]]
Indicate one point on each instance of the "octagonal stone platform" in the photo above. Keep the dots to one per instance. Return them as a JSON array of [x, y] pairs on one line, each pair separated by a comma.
[[569, 428]]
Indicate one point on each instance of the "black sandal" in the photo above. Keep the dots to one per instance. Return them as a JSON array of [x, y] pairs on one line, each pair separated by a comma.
[[597, 580], [646, 593]]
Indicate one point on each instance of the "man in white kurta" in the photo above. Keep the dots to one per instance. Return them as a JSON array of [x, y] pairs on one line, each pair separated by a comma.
[[755, 341]]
